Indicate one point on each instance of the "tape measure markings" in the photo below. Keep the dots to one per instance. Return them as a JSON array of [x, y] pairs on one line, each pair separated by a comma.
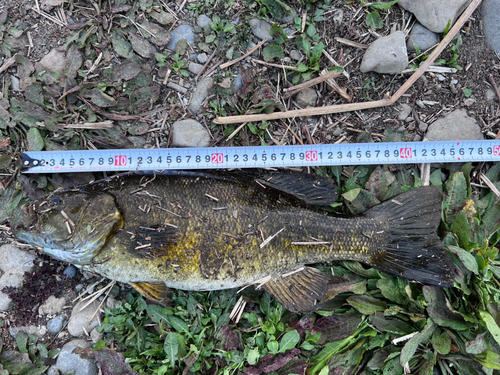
[[260, 156]]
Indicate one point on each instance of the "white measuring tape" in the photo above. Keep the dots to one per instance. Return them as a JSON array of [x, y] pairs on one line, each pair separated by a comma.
[[260, 156]]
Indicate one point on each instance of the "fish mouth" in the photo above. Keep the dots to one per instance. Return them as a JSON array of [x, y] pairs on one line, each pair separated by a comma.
[[73, 228]]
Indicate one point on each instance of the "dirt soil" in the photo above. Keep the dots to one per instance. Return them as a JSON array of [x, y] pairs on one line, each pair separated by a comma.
[[477, 60]]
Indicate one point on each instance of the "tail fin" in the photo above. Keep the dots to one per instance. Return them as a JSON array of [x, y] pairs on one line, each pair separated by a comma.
[[412, 248]]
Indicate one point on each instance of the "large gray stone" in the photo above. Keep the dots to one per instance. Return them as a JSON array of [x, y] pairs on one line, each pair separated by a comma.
[[189, 133], [456, 126], [260, 28], [55, 61], [200, 93], [52, 306], [422, 37], [13, 264], [435, 14], [67, 361], [40, 331], [182, 32], [306, 98], [386, 55], [80, 320], [491, 19]]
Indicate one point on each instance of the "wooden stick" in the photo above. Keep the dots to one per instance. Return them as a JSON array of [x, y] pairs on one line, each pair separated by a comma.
[[351, 43], [313, 82], [6, 65], [366, 105], [225, 65], [275, 65], [494, 84]]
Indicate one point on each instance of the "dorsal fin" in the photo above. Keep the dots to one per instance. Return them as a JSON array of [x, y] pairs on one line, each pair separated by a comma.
[[152, 242], [299, 290], [309, 188], [157, 292]]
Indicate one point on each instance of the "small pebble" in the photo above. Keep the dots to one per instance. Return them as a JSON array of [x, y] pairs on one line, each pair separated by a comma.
[[78, 288], [420, 103], [202, 58], [454, 81], [417, 138], [441, 77], [410, 119], [423, 126], [15, 83], [70, 271], [55, 325], [400, 129]]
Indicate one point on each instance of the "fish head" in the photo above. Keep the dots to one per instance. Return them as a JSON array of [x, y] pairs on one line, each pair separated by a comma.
[[72, 227]]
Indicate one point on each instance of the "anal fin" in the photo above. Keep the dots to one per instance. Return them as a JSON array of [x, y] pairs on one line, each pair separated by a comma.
[[299, 290], [157, 292]]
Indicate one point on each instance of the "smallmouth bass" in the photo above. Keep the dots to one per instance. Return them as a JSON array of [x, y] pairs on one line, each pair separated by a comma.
[[212, 231]]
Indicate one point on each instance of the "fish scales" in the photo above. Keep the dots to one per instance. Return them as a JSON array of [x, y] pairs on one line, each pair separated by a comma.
[[219, 231]]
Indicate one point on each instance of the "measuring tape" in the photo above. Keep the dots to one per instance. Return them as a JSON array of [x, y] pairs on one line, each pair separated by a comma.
[[260, 156]]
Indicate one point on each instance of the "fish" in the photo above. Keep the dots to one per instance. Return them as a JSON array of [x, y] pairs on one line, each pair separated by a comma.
[[203, 231]]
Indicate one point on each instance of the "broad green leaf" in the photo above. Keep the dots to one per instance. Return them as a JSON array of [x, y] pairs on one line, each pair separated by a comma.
[[366, 304], [478, 345], [394, 326], [229, 28], [121, 46], [317, 52], [311, 30], [439, 312], [467, 258], [273, 346], [441, 342], [252, 356], [489, 360], [278, 34], [374, 21], [22, 342], [272, 52], [178, 324], [411, 346], [381, 5], [171, 348], [435, 178], [491, 219], [289, 340], [461, 228], [304, 44], [455, 196], [157, 313], [35, 140], [492, 326], [360, 200]]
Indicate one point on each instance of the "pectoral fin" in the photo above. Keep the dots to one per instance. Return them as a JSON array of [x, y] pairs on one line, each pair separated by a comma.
[[299, 291], [308, 188], [157, 292], [152, 242]]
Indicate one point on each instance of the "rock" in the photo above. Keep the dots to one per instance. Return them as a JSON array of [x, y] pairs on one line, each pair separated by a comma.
[[55, 61], [203, 21], [491, 26], [52, 306], [200, 93], [435, 14], [202, 58], [96, 336], [296, 55], [70, 271], [337, 17], [15, 83], [306, 98], [491, 96], [182, 32], [67, 361], [189, 133], [111, 302], [422, 37], [13, 264], [238, 81], [455, 126], [195, 68], [420, 103], [469, 101], [404, 112], [29, 330], [55, 325], [386, 55], [251, 46], [288, 17], [260, 28], [80, 320], [441, 77], [137, 141], [423, 126]]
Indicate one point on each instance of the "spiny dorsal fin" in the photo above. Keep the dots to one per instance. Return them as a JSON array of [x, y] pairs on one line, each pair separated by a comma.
[[157, 292], [299, 291], [152, 242], [308, 188]]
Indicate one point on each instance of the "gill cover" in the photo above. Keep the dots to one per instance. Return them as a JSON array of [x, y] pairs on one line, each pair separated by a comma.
[[71, 227]]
